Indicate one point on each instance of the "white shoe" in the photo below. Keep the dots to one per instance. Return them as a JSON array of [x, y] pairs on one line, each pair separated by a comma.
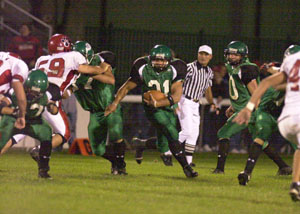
[[206, 148]]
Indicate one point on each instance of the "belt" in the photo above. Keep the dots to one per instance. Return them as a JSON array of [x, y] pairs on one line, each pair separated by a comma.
[[194, 100]]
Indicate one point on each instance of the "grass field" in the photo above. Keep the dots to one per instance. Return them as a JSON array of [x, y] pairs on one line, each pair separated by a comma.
[[84, 185]]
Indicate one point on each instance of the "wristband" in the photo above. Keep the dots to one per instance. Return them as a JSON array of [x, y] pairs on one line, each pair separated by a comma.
[[250, 106], [170, 98]]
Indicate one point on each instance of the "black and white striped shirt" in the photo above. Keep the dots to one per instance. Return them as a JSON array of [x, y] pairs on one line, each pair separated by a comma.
[[197, 80]]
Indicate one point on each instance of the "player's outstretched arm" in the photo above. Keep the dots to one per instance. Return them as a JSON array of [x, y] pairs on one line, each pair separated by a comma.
[[107, 77], [88, 69], [281, 87], [22, 103], [244, 115], [122, 92]]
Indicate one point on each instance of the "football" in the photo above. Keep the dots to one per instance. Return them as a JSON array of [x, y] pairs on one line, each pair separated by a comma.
[[157, 95]]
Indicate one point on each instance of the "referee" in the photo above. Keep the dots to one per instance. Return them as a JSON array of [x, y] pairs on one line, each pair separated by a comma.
[[198, 81]]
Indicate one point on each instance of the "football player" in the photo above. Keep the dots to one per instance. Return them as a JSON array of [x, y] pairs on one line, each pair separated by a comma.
[[13, 73], [243, 80], [288, 121], [158, 72], [266, 116], [62, 67], [95, 93], [35, 87]]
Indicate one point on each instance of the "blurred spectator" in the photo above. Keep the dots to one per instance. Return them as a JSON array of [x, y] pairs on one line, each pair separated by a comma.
[[28, 47]]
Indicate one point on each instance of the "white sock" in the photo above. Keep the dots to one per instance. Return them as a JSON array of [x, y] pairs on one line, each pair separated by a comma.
[[189, 159], [168, 153]]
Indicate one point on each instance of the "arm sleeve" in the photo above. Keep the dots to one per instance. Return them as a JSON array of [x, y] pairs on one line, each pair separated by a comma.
[[109, 57], [19, 70], [181, 70], [53, 92], [37, 63], [249, 73], [283, 67], [134, 73], [78, 59]]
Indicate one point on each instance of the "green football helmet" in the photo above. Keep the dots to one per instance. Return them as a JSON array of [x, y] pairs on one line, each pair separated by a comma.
[[292, 49], [236, 47], [163, 53], [36, 84], [85, 49]]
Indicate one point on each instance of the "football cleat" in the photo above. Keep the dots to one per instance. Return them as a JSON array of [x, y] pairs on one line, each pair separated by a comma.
[[218, 171], [122, 169], [167, 159], [295, 192], [243, 178], [189, 172], [43, 173], [34, 153], [139, 155], [140, 147], [285, 171], [114, 169]]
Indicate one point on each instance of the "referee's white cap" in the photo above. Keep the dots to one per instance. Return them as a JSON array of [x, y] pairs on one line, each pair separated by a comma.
[[205, 48]]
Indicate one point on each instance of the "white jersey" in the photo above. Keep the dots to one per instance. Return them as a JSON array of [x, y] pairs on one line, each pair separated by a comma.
[[291, 67], [11, 69], [61, 68]]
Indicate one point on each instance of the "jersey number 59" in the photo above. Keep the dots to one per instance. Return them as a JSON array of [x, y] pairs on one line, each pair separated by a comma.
[[56, 67]]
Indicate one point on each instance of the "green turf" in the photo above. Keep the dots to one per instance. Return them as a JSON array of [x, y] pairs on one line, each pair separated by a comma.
[[84, 185]]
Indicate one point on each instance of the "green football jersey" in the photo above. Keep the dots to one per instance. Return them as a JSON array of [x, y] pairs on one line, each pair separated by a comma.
[[93, 95], [35, 107], [143, 74], [238, 91], [272, 102]]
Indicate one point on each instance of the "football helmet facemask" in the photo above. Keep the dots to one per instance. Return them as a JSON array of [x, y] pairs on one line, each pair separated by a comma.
[[236, 47]]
